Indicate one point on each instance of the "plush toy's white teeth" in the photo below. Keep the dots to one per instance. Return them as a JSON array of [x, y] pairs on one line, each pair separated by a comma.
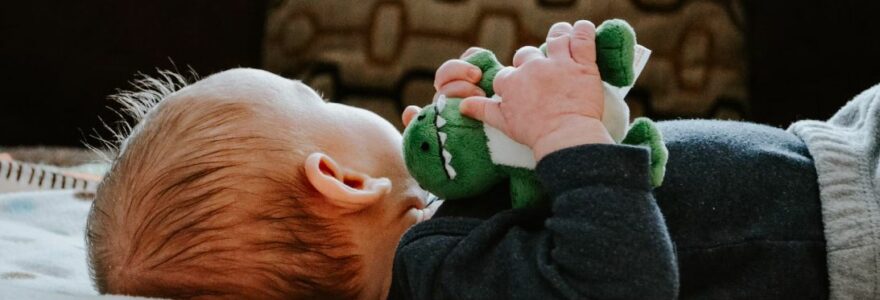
[[439, 122], [447, 157], [441, 103]]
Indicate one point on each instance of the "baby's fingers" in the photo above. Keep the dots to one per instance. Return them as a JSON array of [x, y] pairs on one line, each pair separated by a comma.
[[583, 42], [558, 41], [460, 89], [470, 51], [526, 54], [486, 110], [456, 69], [409, 113]]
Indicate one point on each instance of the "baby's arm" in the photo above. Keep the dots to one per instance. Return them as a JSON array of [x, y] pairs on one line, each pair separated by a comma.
[[602, 238], [603, 235]]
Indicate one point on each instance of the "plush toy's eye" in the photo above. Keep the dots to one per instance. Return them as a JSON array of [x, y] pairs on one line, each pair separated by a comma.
[[425, 147], [421, 117]]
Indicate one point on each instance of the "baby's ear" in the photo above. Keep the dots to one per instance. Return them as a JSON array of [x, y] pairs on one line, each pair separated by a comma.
[[344, 187]]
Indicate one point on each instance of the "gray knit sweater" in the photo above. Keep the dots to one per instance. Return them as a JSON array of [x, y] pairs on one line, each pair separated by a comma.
[[846, 150]]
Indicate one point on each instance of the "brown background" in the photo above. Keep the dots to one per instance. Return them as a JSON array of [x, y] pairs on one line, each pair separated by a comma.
[[766, 61], [381, 54]]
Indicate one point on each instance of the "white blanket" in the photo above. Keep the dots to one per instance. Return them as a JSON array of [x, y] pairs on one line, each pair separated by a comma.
[[42, 246]]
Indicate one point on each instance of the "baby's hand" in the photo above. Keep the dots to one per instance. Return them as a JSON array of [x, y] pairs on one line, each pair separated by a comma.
[[455, 78], [553, 102]]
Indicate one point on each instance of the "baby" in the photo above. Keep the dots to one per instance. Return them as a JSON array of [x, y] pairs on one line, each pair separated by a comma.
[[248, 185]]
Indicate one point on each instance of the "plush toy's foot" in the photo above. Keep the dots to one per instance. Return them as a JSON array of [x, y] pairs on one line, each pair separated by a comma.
[[525, 190], [643, 132], [615, 49]]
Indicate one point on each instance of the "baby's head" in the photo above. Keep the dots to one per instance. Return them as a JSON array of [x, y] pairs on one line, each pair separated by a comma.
[[246, 184]]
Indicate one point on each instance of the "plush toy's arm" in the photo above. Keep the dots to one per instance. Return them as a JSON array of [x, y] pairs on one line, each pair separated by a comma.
[[615, 51], [489, 64], [643, 132]]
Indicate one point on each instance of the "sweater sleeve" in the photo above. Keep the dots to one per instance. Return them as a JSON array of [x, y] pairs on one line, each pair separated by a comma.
[[602, 237]]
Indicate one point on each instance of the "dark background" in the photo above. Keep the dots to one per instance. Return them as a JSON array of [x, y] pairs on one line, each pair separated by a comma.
[[60, 59], [808, 58]]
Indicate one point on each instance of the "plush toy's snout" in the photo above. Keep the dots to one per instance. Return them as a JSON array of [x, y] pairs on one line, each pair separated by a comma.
[[446, 152]]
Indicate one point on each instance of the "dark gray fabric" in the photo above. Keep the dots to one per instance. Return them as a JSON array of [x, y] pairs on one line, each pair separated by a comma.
[[740, 203], [603, 237]]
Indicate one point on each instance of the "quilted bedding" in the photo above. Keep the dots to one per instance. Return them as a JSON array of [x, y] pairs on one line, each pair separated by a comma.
[[42, 246]]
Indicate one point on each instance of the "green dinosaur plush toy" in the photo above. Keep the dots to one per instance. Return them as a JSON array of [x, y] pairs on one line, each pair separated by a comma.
[[454, 157]]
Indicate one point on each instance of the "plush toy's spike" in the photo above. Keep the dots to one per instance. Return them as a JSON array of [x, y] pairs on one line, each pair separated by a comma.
[[615, 49], [489, 64], [644, 132]]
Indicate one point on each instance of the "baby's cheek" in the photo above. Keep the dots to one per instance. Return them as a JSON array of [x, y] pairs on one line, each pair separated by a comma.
[[392, 162]]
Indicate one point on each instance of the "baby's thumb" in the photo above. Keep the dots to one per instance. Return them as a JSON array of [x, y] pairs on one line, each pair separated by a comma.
[[484, 109]]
